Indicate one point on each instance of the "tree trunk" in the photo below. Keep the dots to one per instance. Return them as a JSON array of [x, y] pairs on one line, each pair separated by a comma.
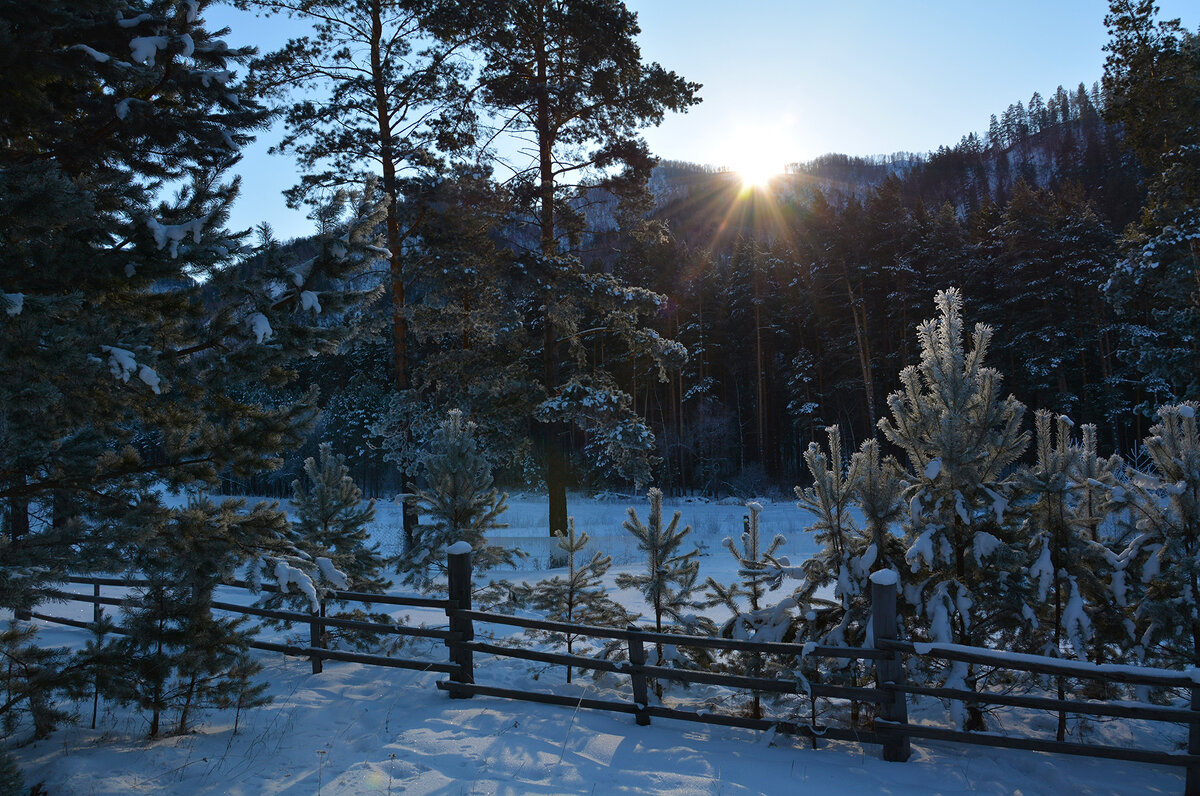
[[395, 241], [552, 432]]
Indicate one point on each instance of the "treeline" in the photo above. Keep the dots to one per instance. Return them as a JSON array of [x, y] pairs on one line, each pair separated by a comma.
[[796, 304]]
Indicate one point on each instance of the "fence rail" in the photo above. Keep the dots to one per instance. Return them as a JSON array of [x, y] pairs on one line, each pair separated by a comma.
[[891, 728]]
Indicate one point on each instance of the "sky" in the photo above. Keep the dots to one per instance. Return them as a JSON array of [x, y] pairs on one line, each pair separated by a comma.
[[788, 80]]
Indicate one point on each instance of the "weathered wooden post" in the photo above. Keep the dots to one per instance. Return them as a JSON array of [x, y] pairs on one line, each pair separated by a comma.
[[641, 691], [1192, 783], [316, 638], [894, 706], [458, 572]]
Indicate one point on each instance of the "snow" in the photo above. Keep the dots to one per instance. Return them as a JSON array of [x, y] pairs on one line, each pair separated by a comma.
[[357, 729], [145, 48], [133, 22], [287, 576], [173, 234], [309, 301], [885, 577], [121, 362], [985, 544], [260, 326], [933, 469], [331, 573], [1187, 411], [96, 55], [150, 377], [13, 303], [458, 548]]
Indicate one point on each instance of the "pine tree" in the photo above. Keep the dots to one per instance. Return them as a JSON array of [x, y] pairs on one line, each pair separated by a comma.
[[332, 524], [11, 781], [669, 581], [181, 656], [960, 438], [130, 329], [460, 500], [381, 84], [756, 620], [1069, 567], [843, 557], [570, 77], [1164, 556], [579, 597]]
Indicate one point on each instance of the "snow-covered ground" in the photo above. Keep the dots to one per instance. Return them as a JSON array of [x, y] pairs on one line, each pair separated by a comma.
[[357, 729]]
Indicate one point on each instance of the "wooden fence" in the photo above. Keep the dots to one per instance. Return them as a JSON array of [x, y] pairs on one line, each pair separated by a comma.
[[891, 728]]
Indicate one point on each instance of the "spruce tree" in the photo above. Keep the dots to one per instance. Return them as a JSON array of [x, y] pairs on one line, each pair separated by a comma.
[[580, 596], [130, 327], [460, 501], [1151, 79], [960, 439]]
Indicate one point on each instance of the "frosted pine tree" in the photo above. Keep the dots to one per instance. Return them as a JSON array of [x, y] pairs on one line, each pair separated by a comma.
[[879, 494], [459, 503], [669, 582], [580, 597], [670, 576], [1164, 557], [754, 619], [331, 522], [1069, 568], [960, 439], [1103, 584]]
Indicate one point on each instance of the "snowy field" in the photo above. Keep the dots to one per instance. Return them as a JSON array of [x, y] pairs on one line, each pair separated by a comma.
[[357, 729]]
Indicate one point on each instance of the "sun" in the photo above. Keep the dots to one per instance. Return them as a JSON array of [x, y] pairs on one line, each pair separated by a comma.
[[758, 155], [758, 172]]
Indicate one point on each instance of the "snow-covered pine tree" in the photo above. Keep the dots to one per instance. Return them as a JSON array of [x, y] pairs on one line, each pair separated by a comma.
[[1164, 558], [1069, 569], [844, 557], [960, 439], [459, 500], [669, 582], [1059, 623], [330, 528], [847, 555], [129, 328], [331, 524], [178, 655], [580, 597], [755, 620], [1103, 583], [879, 493]]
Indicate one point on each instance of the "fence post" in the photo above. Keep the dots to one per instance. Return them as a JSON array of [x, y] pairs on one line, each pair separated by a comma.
[[641, 691], [316, 640], [894, 706], [1192, 783], [458, 572]]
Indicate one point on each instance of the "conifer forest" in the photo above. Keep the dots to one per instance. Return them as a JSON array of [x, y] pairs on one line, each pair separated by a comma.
[[978, 367]]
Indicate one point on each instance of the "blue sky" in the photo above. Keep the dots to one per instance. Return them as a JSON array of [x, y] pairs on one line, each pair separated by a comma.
[[792, 80]]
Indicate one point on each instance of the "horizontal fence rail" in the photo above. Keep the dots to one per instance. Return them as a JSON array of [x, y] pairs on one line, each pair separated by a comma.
[[891, 727]]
